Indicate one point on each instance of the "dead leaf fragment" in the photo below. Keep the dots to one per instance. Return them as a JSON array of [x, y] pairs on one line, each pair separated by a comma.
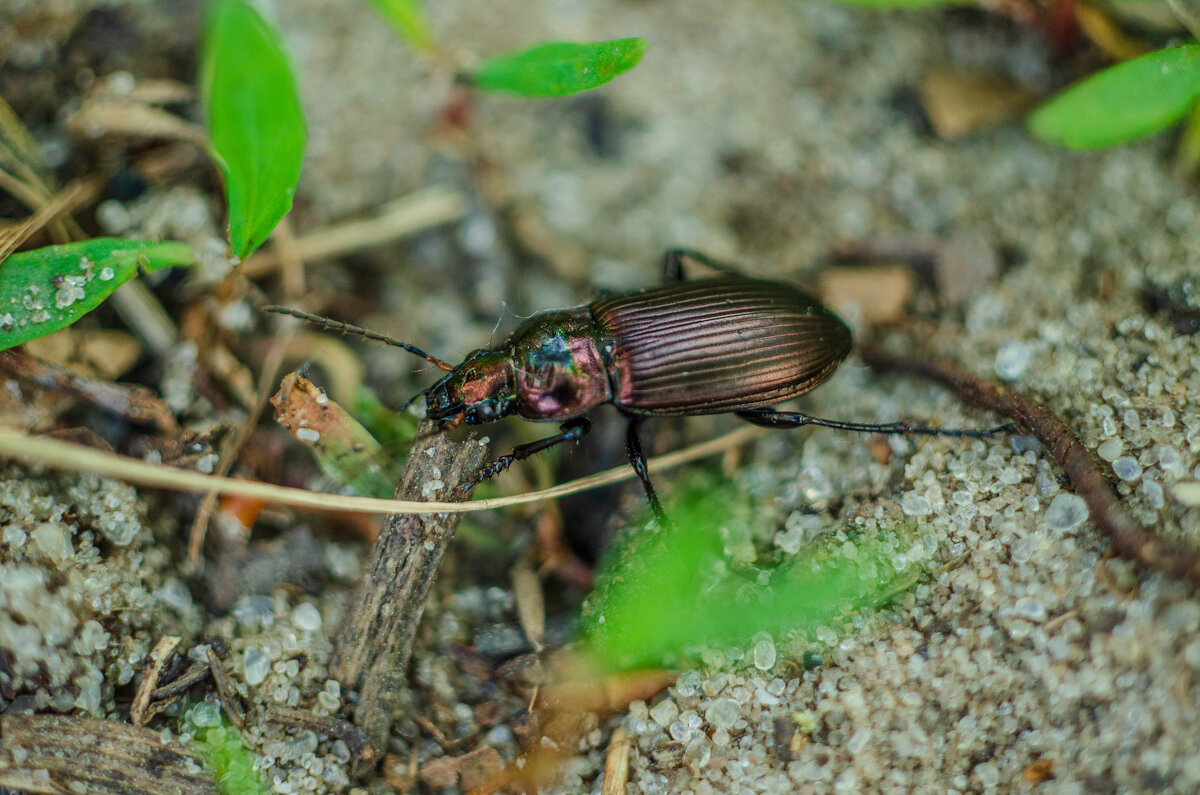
[[471, 769], [877, 293], [616, 763], [1038, 771], [960, 102]]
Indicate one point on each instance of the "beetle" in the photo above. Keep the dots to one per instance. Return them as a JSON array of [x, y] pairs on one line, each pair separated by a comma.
[[729, 343]]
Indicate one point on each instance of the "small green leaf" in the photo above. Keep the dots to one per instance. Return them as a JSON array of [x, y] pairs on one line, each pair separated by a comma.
[[408, 19], [1124, 102], [556, 69], [44, 290], [255, 122], [666, 591]]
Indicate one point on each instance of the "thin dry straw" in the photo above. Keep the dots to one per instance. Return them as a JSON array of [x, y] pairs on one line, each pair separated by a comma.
[[72, 457]]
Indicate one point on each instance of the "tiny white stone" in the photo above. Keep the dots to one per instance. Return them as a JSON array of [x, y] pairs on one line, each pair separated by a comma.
[[306, 617], [1066, 512], [308, 435]]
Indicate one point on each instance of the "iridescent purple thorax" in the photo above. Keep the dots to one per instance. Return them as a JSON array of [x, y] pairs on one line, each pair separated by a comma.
[[549, 369], [559, 370]]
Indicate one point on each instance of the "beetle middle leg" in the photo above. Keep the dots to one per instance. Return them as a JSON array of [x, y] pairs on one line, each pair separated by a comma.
[[571, 430], [770, 418], [637, 459]]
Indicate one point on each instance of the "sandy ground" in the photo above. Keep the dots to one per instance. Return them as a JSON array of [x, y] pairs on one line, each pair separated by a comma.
[[765, 133]]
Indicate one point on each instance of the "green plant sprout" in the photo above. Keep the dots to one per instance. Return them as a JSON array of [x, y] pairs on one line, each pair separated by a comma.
[[556, 69], [1124, 102], [231, 762], [47, 289], [666, 591], [256, 126], [547, 69]]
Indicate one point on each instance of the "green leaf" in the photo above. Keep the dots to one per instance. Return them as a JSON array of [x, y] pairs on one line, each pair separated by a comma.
[[1124, 102], [556, 69], [44, 290], [670, 590], [408, 19], [255, 123]]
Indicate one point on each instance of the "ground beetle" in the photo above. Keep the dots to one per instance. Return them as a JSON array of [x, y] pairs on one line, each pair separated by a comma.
[[709, 346]]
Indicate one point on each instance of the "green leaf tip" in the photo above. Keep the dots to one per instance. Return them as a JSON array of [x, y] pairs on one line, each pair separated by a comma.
[[47, 289], [1124, 102], [256, 125], [557, 69], [665, 594], [407, 18]]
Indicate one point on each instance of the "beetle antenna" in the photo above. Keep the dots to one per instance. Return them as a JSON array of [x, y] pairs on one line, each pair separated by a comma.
[[346, 328]]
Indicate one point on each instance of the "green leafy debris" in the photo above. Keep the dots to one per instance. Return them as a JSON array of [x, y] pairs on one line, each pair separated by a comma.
[[44, 290], [232, 763], [1124, 102], [556, 69], [666, 591], [255, 122], [408, 19]]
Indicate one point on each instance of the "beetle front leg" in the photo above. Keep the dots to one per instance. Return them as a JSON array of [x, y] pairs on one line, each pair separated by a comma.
[[571, 430], [770, 418], [633, 448]]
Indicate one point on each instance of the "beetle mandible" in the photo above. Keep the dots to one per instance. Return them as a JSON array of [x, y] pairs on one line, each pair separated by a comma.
[[717, 345]]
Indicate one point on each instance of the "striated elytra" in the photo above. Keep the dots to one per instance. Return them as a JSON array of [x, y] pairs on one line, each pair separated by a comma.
[[709, 346]]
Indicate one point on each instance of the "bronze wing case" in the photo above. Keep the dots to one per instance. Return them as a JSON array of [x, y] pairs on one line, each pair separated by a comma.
[[717, 345]]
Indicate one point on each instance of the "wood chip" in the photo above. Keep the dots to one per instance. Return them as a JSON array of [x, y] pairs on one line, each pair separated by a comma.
[[616, 763], [960, 102], [876, 293], [154, 665], [531, 607], [229, 702], [61, 753]]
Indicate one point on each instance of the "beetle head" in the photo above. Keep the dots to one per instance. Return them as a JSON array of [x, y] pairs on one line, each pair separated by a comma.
[[481, 390]]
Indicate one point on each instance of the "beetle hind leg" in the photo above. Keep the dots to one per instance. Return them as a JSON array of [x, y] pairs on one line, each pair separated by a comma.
[[637, 459], [571, 430], [770, 418], [672, 264]]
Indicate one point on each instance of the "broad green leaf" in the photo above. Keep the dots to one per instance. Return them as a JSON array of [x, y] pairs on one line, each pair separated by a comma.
[[556, 69], [670, 590], [407, 17], [255, 122], [44, 290], [1124, 102]]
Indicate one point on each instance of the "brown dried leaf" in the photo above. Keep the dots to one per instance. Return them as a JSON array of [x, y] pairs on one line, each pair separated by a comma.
[[960, 102], [878, 293], [471, 769], [106, 354], [107, 116], [531, 607]]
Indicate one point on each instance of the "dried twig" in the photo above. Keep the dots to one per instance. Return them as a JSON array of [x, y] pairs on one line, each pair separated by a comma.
[[1127, 538], [347, 732], [154, 665], [377, 640], [61, 753]]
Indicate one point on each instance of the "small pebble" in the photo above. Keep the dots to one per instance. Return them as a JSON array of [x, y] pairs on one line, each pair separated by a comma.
[[306, 617], [722, 713], [764, 654], [1013, 359], [1110, 449], [255, 665], [1066, 512], [1127, 468], [664, 712], [1187, 492], [914, 504]]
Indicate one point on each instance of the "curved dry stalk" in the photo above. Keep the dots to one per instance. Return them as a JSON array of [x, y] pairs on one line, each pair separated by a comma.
[[72, 457], [1128, 539]]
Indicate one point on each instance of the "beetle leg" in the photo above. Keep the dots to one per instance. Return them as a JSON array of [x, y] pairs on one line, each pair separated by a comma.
[[673, 264], [770, 418], [571, 429], [633, 448]]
